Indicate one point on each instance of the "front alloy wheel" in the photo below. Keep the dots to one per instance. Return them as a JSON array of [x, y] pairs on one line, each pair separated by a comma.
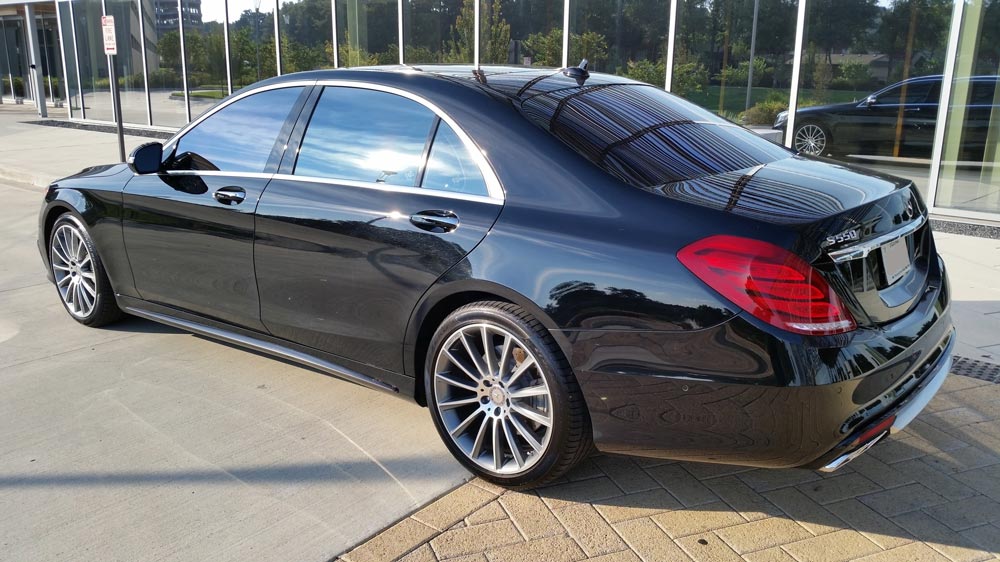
[[79, 274], [503, 398], [73, 268], [811, 139]]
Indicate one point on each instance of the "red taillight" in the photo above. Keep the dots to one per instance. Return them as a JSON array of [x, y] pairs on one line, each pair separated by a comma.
[[769, 282]]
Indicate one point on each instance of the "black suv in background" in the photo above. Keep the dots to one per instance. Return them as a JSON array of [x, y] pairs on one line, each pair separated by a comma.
[[908, 108]]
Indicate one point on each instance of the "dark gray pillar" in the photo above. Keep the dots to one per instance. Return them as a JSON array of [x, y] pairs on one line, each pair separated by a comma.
[[35, 60]]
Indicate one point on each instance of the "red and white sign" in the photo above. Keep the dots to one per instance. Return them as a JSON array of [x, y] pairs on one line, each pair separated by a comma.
[[108, 28]]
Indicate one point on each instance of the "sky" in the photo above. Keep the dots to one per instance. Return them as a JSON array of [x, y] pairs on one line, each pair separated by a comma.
[[215, 10]]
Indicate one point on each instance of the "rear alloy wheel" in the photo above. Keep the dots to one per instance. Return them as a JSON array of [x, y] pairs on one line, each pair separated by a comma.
[[811, 139], [79, 274], [503, 398]]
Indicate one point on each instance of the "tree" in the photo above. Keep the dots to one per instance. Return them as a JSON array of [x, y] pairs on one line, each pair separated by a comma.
[[169, 49], [646, 71], [546, 48], [351, 54], [493, 28], [931, 19], [856, 74], [836, 25], [689, 75]]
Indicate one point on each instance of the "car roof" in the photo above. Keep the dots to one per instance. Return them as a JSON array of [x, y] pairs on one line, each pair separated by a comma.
[[509, 82]]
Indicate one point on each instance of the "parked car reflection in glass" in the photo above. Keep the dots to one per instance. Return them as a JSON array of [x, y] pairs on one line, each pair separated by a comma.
[[898, 120]]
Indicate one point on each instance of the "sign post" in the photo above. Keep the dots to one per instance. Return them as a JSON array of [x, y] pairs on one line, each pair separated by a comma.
[[111, 49]]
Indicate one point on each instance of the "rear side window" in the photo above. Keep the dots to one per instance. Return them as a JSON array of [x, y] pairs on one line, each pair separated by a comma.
[[450, 167], [645, 136], [365, 135], [239, 137]]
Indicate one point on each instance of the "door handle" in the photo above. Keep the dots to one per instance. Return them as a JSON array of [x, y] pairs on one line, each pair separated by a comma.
[[230, 195], [435, 221]]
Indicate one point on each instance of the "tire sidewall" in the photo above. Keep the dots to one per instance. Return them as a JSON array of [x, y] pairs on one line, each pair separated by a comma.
[[548, 362]]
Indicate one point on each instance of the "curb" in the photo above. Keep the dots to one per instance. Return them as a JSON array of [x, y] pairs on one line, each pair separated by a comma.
[[18, 176]]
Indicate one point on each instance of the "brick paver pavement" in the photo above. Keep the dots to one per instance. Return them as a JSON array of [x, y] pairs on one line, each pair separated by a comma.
[[931, 493]]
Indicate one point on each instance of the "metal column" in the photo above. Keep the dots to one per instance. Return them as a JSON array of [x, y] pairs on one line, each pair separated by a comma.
[[35, 59]]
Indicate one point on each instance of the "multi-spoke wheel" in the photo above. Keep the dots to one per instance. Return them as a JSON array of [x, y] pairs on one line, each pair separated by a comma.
[[79, 275], [502, 396], [811, 139]]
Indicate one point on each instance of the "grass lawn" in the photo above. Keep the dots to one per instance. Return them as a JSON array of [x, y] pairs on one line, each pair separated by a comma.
[[206, 94]]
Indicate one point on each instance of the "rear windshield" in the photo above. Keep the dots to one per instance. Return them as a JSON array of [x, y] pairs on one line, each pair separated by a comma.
[[645, 136]]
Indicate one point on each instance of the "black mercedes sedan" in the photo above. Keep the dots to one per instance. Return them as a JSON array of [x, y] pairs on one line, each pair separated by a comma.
[[898, 120], [549, 260]]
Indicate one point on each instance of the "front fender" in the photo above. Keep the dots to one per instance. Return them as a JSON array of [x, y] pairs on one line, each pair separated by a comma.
[[96, 199]]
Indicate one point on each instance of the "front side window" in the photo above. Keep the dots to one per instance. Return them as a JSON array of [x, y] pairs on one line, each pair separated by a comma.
[[365, 135], [450, 167], [239, 137], [915, 93]]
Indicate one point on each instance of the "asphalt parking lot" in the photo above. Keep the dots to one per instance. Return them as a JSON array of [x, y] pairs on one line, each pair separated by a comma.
[[142, 442]]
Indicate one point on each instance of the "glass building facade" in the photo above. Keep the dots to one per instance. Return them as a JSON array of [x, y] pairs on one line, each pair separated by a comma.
[[908, 87]]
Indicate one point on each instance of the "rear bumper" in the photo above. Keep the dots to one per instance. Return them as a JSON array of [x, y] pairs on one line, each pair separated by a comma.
[[770, 403], [894, 420]]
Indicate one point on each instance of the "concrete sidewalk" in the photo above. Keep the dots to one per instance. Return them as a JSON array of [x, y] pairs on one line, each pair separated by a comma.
[[36, 154]]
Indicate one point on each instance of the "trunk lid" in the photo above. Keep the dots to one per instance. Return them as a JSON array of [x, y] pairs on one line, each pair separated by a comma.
[[867, 233]]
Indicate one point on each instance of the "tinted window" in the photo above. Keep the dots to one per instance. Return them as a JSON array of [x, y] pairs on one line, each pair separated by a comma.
[[645, 136], [915, 93], [365, 135], [982, 92], [238, 137], [450, 167]]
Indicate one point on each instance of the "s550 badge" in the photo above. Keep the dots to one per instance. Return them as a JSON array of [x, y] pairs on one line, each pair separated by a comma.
[[845, 236]]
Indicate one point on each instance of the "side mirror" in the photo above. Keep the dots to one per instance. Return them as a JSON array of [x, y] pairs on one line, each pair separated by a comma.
[[870, 101], [146, 159]]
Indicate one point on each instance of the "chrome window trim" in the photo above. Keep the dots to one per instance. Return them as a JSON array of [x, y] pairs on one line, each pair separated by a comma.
[[493, 186], [393, 188], [862, 250], [172, 141], [261, 175]]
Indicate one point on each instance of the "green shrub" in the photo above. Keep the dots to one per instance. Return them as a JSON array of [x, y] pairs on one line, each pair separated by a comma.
[[164, 78], [646, 71], [840, 84], [765, 112], [856, 76]]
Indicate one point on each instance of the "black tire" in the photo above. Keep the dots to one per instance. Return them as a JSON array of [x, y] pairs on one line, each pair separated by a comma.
[[567, 440], [95, 310], [827, 145]]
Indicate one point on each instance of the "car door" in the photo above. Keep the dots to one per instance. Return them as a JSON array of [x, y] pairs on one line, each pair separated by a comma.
[[897, 112], [920, 109], [384, 197], [189, 229], [979, 112]]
